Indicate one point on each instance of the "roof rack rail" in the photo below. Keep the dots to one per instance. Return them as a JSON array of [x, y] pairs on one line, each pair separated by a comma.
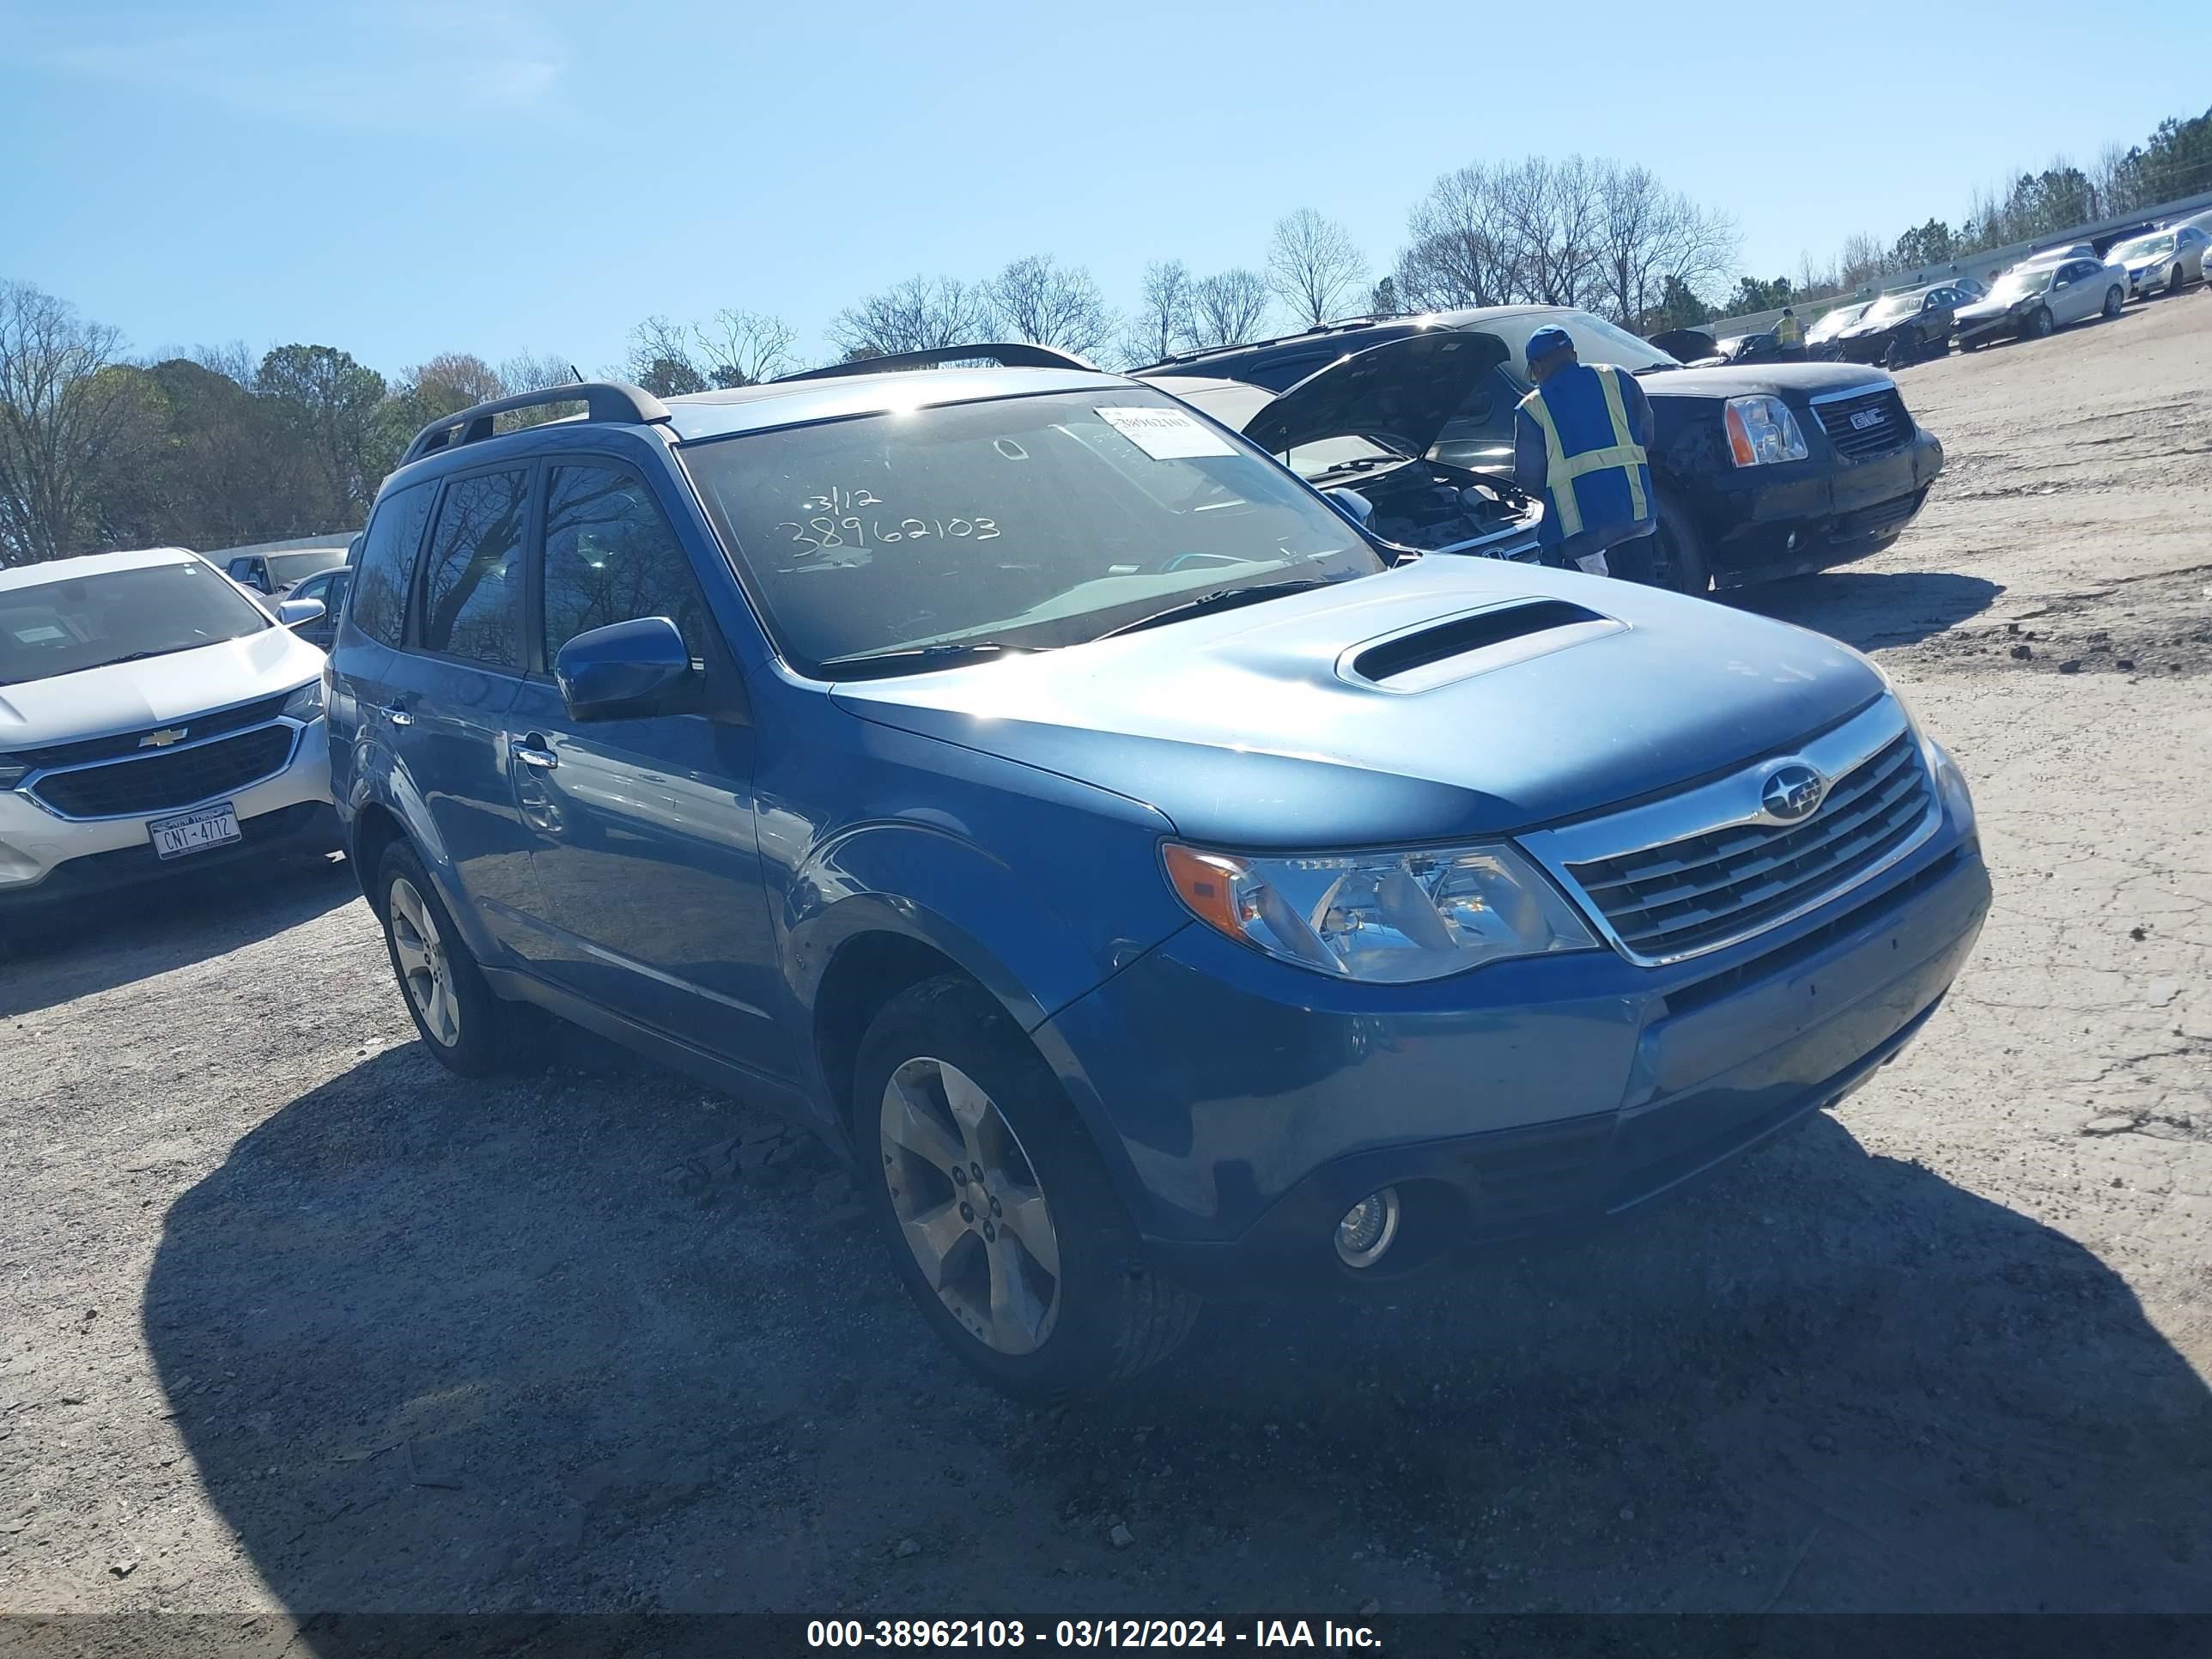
[[602, 400], [1012, 354]]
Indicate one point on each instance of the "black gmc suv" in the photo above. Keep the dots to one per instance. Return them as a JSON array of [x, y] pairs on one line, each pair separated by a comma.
[[1762, 472]]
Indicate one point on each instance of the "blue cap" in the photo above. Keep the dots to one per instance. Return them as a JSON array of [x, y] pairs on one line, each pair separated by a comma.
[[1546, 341]]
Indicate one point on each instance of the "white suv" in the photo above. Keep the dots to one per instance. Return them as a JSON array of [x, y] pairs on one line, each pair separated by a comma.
[[152, 717]]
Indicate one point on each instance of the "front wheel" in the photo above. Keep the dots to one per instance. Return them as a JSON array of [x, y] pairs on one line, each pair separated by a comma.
[[2039, 323], [999, 1214], [2173, 280], [1678, 551], [2114, 298]]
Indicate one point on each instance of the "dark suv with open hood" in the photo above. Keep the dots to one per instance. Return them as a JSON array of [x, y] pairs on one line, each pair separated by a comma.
[[1762, 472]]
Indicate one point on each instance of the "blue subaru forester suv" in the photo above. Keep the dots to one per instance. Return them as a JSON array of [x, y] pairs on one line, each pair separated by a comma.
[[1154, 886]]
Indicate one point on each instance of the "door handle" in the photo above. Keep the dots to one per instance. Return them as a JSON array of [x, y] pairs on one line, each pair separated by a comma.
[[531, 750], [398, 715]]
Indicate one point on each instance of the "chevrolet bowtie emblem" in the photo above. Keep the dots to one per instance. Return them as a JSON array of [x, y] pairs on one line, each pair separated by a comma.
[[164, 737]]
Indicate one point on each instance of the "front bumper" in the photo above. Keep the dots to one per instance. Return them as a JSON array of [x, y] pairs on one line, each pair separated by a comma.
[[1765, 523], [46, 859], [1251, 1105], [1981, 331]]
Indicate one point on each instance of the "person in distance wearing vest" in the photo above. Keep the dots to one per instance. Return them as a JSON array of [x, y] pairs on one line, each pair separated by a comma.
[[1579, 441], [1790, 336]]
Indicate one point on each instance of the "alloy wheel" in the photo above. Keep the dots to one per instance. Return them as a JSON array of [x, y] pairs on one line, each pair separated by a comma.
[[969, 1206], [423, 966]]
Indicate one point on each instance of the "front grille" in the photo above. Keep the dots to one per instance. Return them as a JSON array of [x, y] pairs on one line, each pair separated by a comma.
[[180, 777], [1892, 431], [1693, 893], [127, 743]]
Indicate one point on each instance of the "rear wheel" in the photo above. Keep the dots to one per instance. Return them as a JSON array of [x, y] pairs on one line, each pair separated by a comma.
[[2115, 298], [999, 1214], [1678, 551], [460, 1022]]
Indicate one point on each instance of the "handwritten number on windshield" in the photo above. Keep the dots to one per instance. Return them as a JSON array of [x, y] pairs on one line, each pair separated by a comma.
[[825, 531]]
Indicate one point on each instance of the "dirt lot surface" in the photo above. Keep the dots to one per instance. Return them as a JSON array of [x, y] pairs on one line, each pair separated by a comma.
[[294, 1321]]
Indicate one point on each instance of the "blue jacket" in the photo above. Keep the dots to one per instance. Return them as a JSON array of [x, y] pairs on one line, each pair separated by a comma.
[[1603, 499]]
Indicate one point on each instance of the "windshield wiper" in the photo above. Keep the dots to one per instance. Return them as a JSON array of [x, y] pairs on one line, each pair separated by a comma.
[[165, 651], [1657, 368], [1221, 598], [940, 655]]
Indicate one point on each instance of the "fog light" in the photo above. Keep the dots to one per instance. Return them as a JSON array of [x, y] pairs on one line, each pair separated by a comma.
[[1369, 1228]]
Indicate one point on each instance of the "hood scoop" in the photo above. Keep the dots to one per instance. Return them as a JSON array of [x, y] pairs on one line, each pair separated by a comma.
[[1446, 651]]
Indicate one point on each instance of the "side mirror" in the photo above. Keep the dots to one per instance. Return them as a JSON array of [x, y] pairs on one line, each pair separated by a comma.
[[298, 613], [624, 670], [1355, 506]]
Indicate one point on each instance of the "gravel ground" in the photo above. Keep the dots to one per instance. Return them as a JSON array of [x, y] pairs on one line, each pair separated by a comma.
[[295, 1321]]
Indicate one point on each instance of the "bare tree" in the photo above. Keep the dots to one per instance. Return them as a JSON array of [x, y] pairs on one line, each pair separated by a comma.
[[1166, 321], [69, 414], [1313, 266], [1552, 211], [661, 359], [454, 381], [1648, 234], [1037, 299], [1460, 251], [1229, 308], [744, 348], [918, 314], [1862, 259]]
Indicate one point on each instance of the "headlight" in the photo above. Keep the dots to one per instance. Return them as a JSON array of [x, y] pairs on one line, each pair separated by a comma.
[[1385, 917], [1762, 429], [306, 702]]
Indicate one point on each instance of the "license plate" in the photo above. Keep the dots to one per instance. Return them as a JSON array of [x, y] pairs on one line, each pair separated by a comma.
[[1865, 418], [194, 832]]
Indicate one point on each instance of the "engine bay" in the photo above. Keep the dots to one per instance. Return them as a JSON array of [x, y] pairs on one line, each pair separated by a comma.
[[1437, 508]]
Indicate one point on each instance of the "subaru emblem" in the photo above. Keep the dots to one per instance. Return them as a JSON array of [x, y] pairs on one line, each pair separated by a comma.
[[1791, 793]]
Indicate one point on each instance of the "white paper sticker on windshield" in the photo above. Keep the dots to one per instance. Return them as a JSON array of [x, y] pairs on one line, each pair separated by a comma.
[[1166, 434]]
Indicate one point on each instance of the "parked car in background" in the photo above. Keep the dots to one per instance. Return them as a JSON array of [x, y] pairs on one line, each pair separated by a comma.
[[2037, 296], [1044, 795], [1820, 338], [2164, 261], [1361, 430], [1688, 346], [1762, 472], [328, 589], [1901, 328], [152, 720], [274, 574]]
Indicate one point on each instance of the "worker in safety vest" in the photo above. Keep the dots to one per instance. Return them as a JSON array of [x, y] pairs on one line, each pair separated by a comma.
[[1789, 334], [1579, 439]]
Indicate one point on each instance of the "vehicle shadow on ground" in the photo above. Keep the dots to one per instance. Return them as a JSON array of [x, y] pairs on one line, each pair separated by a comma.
[[1871, 609], [434, 1344], [52, 956]]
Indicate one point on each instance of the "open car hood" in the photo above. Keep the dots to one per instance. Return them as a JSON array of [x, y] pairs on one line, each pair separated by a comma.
[[1403, 392]]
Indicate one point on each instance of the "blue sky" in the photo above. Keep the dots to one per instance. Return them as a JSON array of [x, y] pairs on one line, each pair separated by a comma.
[[404, 179]]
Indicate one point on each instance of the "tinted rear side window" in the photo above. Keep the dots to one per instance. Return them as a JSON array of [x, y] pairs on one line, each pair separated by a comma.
[[387, 562], [473, 574], [610, 557]]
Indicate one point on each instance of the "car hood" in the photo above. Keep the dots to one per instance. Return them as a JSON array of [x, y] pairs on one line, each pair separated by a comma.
[[1984, 310], [1742, 379], [158, 691], [1403, 392], [1248, 728]]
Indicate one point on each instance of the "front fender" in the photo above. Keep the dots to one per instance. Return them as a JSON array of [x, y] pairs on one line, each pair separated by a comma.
[[912, 879]]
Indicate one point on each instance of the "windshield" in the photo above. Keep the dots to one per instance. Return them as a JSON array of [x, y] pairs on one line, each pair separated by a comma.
[[76, 623], [1596, 341], [1026, 522], [2015, 283], [2143, 247], [1891, 307], [1834, 323]]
